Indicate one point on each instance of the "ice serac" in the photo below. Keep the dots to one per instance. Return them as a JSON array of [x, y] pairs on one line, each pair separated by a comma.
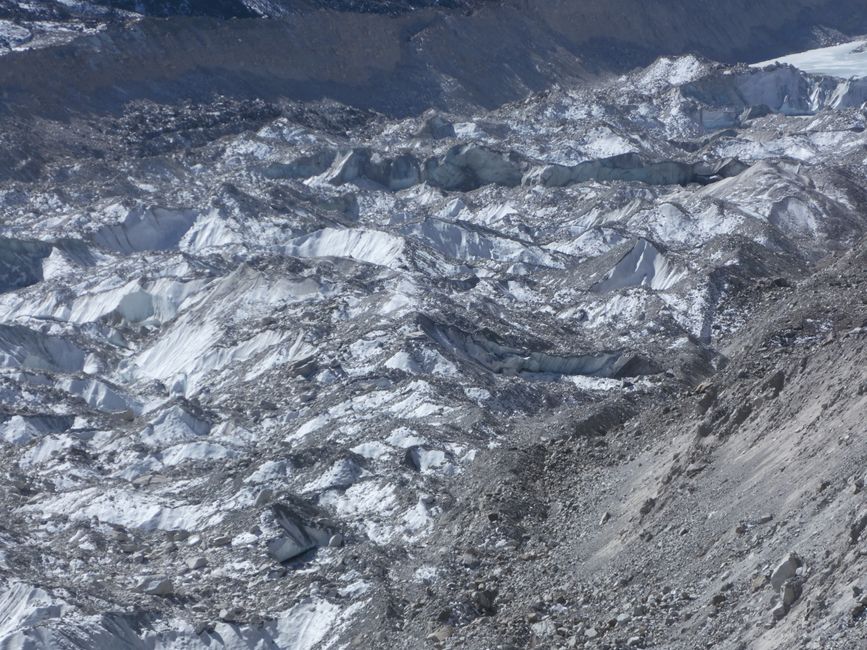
[[643, 266], [153, 229], [20, 430], [370, 246], [632, 167], [21, 347], [468, 167], [21, 262], [776, 88], [298, 536], [469, 242], [25, 612], [484, 349], [396, 173]]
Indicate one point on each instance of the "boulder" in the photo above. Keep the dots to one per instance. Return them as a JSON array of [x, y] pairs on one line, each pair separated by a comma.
[[544, 629], [264, 497], [155, 586], [791, 592], [485, 600], [774, 384], [755, 112], [785, 570], [435, 127], [778, 611], [647, 506], [441, 634], [233, 614], [857, 526], [298, 537], [221, 540], [196, 563]]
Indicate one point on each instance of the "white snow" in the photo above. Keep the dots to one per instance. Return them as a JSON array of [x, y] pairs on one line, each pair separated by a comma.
[[369, 504], [194, 451], [131, 508], [846, 61], [21, 347], [595, 383], [671, 71], [155, 229], [23, 607], [372, 450], [20, 430], [342, 474], [590, 243], [306, 625], [404, 438], [422, 361], [458, 241], [172, 426], [371, 246], [100, 395], [270, 470], [643, 266]]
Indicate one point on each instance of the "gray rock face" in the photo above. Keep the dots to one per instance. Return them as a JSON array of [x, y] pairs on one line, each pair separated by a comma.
[[785, 570], [778, 611], [857, 527], [790, 592], [397, 173], [348, 166]]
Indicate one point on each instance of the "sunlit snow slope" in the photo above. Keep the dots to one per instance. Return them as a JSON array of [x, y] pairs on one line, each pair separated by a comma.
[[847, 60]]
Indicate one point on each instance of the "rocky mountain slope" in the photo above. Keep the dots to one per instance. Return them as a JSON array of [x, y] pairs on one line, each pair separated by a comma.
[[398, 58], [584, 369]]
